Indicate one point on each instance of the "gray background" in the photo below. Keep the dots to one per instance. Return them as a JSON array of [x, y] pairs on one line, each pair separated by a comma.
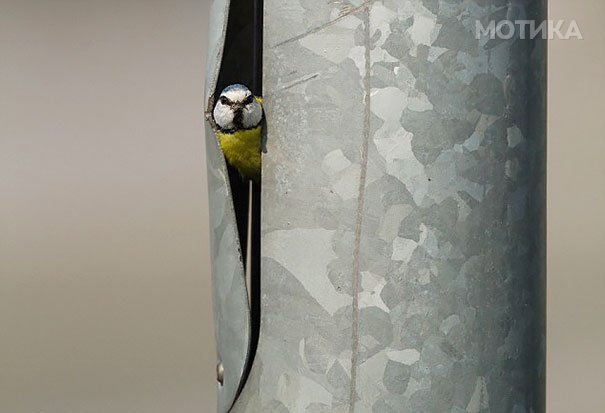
[[104, 272]]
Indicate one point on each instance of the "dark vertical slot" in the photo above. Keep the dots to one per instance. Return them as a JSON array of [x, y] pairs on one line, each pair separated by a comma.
[[242, 63], [237, 66], [257, 88]]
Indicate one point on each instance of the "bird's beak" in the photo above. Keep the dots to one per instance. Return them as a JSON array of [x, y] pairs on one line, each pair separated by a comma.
[[238, 112]]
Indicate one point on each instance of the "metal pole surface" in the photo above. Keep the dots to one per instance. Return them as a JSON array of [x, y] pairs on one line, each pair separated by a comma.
[[403, 210]]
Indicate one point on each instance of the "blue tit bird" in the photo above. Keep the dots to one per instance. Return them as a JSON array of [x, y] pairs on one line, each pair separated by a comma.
[[238, 115]]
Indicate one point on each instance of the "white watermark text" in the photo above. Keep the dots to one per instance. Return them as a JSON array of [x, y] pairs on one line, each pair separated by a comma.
[[529, 29]]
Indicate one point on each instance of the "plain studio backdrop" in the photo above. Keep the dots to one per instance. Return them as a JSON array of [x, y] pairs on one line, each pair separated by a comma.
[[105, 299]]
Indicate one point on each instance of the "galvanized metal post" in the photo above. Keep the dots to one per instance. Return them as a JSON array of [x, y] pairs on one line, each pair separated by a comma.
[[403, 211]]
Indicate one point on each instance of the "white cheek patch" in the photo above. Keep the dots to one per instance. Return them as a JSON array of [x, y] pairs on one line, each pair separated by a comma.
[[223, 116], [253, 114]]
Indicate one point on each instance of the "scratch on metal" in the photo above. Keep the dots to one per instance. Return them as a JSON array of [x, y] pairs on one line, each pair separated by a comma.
[[293, 83], [360, 210], [348, 11]]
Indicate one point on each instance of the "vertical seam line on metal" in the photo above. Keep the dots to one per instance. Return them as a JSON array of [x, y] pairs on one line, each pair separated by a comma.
[[360, 211]]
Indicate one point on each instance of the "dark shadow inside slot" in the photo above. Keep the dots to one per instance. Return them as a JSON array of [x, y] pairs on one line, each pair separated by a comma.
[[242, 63]]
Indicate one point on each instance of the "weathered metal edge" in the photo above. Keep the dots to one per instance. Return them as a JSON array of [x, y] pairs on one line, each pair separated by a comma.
[[230, 299]]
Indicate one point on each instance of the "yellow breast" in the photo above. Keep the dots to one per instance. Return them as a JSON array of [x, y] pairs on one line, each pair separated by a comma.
[[242, 151]]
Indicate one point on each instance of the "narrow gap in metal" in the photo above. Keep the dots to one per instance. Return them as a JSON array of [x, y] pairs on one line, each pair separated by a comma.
[[242, 63], [255, 199], [248, 261], [360, 212]]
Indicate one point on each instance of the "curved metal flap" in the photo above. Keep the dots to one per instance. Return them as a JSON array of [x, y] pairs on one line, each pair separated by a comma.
[[230, 299]]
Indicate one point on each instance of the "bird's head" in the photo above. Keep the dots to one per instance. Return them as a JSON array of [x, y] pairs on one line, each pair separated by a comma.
[[237, 108]]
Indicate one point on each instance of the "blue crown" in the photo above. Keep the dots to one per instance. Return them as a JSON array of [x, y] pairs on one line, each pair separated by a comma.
[[235, 87]]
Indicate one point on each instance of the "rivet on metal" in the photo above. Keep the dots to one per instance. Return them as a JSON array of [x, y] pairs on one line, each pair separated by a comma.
[[220, 373]]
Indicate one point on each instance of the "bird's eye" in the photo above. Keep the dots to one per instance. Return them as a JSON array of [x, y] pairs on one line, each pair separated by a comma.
[[224, 100], [248, 100]]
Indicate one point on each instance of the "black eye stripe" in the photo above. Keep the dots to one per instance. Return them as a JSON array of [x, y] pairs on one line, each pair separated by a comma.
[[226, 101]]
